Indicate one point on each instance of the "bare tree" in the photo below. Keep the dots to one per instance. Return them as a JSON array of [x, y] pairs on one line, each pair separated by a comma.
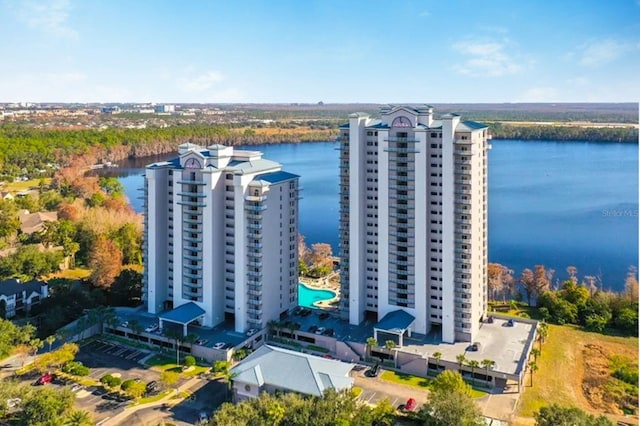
[[572, 271], [631, 283], [528, 282]]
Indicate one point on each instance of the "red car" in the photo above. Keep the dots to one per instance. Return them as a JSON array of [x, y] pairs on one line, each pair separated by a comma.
[[45, 378], [410, 405]]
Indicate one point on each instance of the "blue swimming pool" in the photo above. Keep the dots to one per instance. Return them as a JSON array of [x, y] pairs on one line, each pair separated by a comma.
[[308, 296]]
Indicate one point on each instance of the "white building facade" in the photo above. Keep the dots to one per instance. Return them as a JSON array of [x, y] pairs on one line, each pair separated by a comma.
[[221, 231], [413, 219]]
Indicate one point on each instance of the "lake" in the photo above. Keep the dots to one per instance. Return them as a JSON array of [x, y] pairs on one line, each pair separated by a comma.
[[551, 203]]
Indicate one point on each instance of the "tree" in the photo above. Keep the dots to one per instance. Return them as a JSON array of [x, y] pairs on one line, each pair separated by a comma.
[[133, 388], [176, 336], [129, 239], [106, 260], [556, 415], [528, 283], [572, 271], [78, 418], [542, 279], [535, 352], [44, 405], [389, 344], [169, 378], [126, 289], [450, 381], [450, 403], [50, 339], [543, 333], [221, 366], [461, 360], [135, 326], [437, 356], [533, 367], [371, 342], [9, 222], [631, 284], [473, 364], [487, 364], [189, 361]]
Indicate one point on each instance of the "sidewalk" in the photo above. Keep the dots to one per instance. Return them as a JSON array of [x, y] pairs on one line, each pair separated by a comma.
[[121, 417]]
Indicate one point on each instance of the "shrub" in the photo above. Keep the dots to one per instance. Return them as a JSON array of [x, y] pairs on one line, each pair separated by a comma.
[[189, 361], [110, 380], [75, 368], [127, 384], [220, 366]]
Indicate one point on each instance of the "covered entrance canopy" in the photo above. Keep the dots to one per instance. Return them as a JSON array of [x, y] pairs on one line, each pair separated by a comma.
[[184, 315], [396, 322]]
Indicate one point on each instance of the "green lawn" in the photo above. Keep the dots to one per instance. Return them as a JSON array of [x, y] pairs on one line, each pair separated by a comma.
[[419, 382], [21, 186], [163, 363], [562, 365], [72, 274], [153, 398]]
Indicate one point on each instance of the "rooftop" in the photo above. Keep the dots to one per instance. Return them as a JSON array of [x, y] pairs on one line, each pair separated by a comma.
[[396, 321], [294, 371], [183, 314]]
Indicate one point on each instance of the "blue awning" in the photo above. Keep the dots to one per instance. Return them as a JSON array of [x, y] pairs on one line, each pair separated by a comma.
[[183, 314], [395, 322]]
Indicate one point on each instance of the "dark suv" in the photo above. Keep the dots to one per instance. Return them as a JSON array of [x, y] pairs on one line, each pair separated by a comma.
[[373, 371]]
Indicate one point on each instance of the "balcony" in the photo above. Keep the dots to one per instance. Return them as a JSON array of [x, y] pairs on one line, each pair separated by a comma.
[[193, 239], [257, 226], [254, 275], [254, 293], [255, 208], [402, 140], [191, 194], [254, 216], [256, 198], [192, 204], [188, 275], [401, 150], [191, 182]]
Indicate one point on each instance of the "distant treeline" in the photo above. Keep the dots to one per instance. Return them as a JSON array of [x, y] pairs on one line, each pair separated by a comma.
[[25, 150], [563, 133]]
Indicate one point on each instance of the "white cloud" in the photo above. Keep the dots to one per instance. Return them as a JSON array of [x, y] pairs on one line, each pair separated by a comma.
[[50, 16], [486, 58], [200, 82], [539, 94], [603, 52]]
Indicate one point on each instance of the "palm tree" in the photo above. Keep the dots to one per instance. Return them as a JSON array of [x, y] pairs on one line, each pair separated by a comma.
[[535, 352], [389, 344], [190, 339], [371, 342], [543, 332], [273, 327], [437, 356], [461, 360], [473, 364], [135, 327], [78, 418], [50, 340], [487, 364], [175, 335], [533, 367]]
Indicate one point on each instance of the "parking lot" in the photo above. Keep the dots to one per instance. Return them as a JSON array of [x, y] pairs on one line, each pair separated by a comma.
[[104, 357], [374, 390]]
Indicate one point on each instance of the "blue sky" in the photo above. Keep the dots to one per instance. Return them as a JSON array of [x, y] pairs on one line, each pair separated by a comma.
[[310, 51]]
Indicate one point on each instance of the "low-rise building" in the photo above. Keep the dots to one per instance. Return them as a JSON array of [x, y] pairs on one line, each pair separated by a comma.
[[271, 369], [17, 296]]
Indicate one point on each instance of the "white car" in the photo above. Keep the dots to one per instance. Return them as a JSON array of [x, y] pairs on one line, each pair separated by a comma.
[[219, 345], [125, 324], [252, 331], [76, 387], [320, 330], [203, 417], [151, 328]]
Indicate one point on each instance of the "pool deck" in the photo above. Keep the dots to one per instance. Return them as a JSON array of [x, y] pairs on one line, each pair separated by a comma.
[[324, 283]]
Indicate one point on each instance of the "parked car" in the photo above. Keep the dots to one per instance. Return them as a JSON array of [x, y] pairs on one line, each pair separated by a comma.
[[152, 328], [298, 310], [410, 405], [201, 342], [329, 332], [324, 315], [219, 345], [45, 378], [320, 330], [373, 371], [125, 324], [252, 331], [305, 312], [313, 328], [76, 387], [203, 417], [152, 386], [510, 323]]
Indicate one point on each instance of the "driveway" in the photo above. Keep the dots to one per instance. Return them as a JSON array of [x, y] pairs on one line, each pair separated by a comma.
[[374, 390]]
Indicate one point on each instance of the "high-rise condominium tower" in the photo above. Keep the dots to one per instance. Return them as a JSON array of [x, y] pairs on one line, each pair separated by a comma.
[[221, 231], [413, 219]]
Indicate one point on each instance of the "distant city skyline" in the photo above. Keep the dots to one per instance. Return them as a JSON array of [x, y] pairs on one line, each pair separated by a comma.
[[330, 51]]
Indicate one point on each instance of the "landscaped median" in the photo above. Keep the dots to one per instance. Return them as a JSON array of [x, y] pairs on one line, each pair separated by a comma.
[[165, 363], [420, 382]]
